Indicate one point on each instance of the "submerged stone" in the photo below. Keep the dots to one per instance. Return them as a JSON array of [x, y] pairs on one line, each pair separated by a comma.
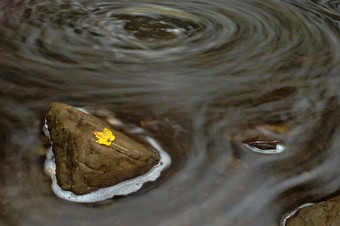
[[81, 164], [323, 213]]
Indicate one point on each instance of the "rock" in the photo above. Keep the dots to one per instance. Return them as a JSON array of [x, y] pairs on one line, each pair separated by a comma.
[[323, 213], [82, 165]]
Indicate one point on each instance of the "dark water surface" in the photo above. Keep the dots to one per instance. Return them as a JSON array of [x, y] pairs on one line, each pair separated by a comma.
[[200, 77]]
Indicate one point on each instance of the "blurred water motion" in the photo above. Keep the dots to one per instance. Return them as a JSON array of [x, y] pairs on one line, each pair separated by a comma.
[[200, 77]]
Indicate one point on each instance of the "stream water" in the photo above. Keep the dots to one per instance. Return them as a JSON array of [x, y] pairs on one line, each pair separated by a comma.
[[208, 80]]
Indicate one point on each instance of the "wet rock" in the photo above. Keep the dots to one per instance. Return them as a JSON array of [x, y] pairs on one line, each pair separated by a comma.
[[82, 165], [323, 213]]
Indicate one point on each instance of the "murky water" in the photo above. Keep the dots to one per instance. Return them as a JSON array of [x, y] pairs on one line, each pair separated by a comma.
[[202, 78]]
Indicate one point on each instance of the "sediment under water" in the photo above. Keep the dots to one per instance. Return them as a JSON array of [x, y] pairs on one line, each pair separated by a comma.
[[201, 78]]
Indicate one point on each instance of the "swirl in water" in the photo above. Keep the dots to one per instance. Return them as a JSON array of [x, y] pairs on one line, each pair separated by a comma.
[[203, 77]]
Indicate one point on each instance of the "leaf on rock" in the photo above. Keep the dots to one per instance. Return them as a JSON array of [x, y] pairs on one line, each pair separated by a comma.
[[105, 137]]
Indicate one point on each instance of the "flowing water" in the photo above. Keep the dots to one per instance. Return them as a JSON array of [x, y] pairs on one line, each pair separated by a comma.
[[242, 94]]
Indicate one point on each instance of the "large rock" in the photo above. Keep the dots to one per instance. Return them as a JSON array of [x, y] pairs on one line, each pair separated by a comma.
[[82, 165], [323, 213]]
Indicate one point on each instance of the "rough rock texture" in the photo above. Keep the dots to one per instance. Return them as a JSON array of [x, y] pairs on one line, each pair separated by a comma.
[[324, 213], [82, 165]]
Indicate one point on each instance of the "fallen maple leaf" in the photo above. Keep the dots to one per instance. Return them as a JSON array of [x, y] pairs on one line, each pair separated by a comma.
[[105, 137]]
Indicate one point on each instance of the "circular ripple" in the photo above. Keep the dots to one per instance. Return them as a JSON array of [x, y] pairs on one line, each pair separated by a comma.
[[116, 31], [92, 33]]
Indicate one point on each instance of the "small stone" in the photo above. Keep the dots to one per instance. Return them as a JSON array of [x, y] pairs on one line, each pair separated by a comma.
[[82, 165], [323, 213]]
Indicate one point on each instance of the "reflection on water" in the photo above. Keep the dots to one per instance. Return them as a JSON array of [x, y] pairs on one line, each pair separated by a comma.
[[201, 77]]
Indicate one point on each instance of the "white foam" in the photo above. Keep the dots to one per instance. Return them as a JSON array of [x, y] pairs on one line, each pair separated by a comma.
[[123, 188], [288, 215], [83, 110]]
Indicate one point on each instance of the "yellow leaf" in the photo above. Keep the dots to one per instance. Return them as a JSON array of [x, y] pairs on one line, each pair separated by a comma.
[[105, 137]]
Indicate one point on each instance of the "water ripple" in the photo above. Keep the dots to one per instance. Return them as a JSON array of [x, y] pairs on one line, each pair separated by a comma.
[[202, 77], [86, 32]]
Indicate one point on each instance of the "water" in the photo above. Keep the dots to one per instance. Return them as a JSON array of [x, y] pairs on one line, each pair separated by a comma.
[[201, 77]]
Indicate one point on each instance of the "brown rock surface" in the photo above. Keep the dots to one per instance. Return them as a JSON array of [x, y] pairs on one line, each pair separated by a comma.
[[325, 213], [82, 165]]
